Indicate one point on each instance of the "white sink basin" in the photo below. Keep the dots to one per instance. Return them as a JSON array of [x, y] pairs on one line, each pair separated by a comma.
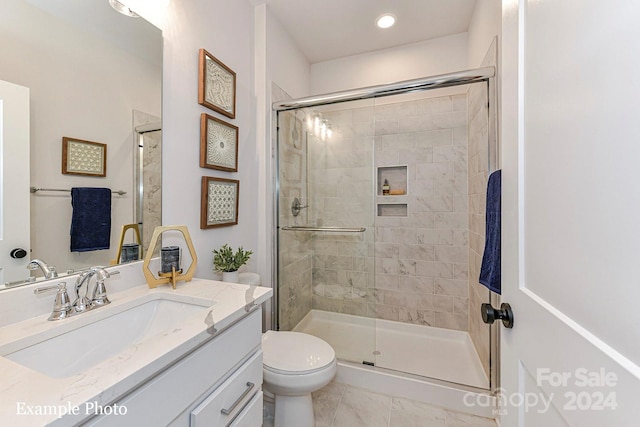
[[75, 351]]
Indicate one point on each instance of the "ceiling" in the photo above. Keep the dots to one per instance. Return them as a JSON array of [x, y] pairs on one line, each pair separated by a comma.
[[330, 29], [134, 35]]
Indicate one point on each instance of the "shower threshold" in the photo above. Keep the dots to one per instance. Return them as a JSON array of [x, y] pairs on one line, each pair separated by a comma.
[[426, 351]]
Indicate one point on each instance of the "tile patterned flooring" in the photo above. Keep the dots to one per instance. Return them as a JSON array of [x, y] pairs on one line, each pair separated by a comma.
[[339, 405]]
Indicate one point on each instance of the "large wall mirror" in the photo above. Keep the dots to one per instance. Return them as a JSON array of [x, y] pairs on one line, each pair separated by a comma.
[[93, 74]]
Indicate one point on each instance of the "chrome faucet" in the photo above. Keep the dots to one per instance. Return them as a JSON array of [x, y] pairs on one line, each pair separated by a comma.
[[99, 294], [49, 271], [62, 307]]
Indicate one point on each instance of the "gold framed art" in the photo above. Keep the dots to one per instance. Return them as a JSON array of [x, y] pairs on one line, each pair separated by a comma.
[[80, 157], [219, 202], [216, 85], [218, 144]]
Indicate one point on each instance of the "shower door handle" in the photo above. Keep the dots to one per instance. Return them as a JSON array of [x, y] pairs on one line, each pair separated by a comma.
[[490, 314]]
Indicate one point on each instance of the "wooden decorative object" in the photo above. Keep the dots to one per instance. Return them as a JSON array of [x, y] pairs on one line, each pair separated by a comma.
[[218, 144], [216, 85], [219, 202], [174, 276], [81, 157]]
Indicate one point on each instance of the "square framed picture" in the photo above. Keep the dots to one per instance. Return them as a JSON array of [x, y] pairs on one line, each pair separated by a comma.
[[81, 157], [216, 85], [218, 144], [219, 202]]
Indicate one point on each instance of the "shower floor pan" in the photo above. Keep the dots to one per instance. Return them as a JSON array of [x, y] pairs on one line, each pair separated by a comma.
[[427, 351]]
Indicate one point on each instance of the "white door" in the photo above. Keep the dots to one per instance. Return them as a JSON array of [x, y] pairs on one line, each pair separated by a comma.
[[14, 171], [570, 131]]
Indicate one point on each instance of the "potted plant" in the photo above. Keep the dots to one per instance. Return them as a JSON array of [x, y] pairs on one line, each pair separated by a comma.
[[227, 262]]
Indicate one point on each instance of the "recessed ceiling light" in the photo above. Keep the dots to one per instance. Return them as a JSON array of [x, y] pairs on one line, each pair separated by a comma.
[[386, 20], [123, 9]]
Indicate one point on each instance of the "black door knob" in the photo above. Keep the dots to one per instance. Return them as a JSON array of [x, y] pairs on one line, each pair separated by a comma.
[[18, 253], [490, 314]]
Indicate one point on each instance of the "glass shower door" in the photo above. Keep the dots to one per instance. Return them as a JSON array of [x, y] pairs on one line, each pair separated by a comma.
[[325, 231]]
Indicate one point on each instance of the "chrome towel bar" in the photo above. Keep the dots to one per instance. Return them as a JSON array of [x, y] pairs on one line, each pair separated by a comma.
[[35, 190], [326, 229]]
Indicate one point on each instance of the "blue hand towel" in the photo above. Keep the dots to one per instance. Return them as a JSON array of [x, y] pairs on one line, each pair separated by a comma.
[[490, 270], [91, 219]]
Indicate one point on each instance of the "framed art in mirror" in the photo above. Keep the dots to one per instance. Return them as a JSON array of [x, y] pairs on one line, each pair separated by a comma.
[[216, 85], [218, 144], [81, 157], [219, 202]]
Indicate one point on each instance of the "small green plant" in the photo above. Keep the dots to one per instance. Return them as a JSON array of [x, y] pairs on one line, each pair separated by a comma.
[[224, 260]]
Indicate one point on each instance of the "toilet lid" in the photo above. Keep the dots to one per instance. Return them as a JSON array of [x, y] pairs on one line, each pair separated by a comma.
[[295, 352]]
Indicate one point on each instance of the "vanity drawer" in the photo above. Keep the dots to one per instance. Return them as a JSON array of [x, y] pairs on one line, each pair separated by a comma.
[[251, 415], [228, 400]]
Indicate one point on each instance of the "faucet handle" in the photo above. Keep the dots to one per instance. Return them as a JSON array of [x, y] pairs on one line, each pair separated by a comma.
[[62, 304], [52, 272], [99, 297]]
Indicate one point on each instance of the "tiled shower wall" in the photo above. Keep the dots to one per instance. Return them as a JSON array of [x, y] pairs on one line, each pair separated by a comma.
[[420, 260], [295, 258], [341, 195], [478, 176]]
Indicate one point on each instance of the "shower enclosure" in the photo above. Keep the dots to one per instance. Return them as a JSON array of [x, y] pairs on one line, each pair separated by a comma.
[[380, 224]]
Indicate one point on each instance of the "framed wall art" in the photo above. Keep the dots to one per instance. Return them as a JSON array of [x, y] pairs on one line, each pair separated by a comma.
[[218, 144], [81, 157], [219, 202], [216, 85]]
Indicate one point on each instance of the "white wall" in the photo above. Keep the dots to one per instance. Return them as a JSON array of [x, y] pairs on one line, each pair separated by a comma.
[[226, 30], [406, 62], [486, 23], [81, 87], [287, 66]]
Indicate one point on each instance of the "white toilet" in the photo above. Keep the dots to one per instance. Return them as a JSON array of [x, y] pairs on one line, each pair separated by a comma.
[[294, 365]]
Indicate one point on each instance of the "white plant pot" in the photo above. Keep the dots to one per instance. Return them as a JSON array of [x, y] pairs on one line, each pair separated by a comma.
[[230, 276]]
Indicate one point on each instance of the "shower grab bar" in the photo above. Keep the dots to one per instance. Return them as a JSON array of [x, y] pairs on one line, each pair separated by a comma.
[[327, 229]]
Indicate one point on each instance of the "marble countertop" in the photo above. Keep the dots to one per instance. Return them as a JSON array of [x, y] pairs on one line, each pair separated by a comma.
[[32, 398]]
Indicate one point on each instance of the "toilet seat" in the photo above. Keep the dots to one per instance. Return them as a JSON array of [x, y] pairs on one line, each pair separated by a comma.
[[295, 353]]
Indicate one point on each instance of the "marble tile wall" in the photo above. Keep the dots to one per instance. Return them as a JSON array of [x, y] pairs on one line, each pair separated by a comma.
[[421, 260], [478, 176], [296, 253], [341, 195], [411, 269], [152, 176]]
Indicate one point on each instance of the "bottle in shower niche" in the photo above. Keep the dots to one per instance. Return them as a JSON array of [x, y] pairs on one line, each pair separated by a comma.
[[385, 188]]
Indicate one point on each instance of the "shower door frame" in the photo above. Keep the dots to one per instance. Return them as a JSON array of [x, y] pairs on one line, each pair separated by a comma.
[[459, 78]]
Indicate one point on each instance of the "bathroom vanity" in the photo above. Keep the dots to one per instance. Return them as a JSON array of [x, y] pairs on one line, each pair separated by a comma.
[[185, 357]]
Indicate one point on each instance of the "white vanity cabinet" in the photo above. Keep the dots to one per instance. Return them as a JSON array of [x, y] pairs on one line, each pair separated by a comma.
[[217, 384]]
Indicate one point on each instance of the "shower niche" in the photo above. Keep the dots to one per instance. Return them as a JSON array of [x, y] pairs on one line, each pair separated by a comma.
[[391, 185], [396, 177]]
